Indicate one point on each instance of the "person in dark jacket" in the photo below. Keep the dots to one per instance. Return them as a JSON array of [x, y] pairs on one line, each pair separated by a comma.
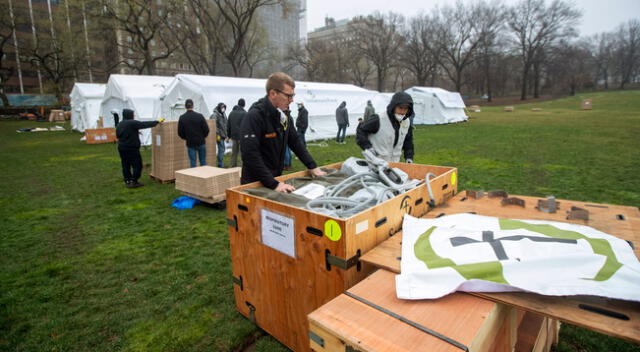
[[233, 130], [193, 128], [266, 130], [392, 134], [127, 133], [369, 110], [302, 122], [221, 130], [342, 118]]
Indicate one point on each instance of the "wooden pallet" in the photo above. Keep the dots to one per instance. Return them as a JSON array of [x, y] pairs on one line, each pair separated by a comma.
[[211, 200], [164, 182], [622, 221]]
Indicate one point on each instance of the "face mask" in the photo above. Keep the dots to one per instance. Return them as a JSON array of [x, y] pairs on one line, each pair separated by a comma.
[[399, 117], [222, 110]]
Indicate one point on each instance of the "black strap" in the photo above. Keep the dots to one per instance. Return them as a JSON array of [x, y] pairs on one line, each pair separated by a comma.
[[407, 321]]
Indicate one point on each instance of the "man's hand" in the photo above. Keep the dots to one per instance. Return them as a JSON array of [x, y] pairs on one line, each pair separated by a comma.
[[317, 172], [284, 188]]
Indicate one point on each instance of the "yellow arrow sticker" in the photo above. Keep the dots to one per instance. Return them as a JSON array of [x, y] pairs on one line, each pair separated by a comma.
[[332, 230], [454, 178]]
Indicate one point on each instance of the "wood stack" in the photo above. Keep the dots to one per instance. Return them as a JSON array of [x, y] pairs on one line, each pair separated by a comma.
[[509, 108], [586, 104], [207, 183]]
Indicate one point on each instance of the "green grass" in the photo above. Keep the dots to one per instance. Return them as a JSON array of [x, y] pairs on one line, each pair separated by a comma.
[[88, 265]]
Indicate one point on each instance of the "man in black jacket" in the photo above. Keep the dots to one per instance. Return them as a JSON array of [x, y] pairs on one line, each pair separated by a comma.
[[193, 128], [266, 130], [302, 122], [391, 134], [129, 146], [233, 130]]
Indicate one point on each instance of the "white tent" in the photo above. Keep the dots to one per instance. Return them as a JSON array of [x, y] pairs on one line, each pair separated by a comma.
[[435, 106], [139, 93], [321, 99], [85, 105]]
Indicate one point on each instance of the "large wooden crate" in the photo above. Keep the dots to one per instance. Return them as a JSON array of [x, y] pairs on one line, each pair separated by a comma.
[[169, 151], [100, 135], [370, 318], [207, 183], [278, 290]]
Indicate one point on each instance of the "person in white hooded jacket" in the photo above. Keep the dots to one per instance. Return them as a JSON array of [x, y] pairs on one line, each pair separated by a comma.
[[391, 135]]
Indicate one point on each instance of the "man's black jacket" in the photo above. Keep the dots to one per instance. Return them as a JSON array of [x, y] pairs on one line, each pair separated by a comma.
[[193, 128], [128, 130], [263, 140], [235, 122], [302, 122]]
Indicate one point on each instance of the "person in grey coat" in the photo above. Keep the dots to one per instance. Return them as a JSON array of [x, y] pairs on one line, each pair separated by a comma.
[[368, 111], [235, 121], [221, 130], [342, 118]]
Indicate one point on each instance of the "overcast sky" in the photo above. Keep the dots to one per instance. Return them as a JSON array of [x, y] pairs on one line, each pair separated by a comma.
[[598, 15]]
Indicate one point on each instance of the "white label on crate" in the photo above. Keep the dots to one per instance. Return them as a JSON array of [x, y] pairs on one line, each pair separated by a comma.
[[362, 226], [278, 232], [310, 191], [158, 140]]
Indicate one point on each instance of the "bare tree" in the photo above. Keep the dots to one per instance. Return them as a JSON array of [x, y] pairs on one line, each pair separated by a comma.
[[378, 39], [421, 48], [7, 32], [535, 27], [458, 39], [238, 17], [602, 53], [256, 49], [308, 56], [569, 65], [490, 25], [627, 51], [145, 23]]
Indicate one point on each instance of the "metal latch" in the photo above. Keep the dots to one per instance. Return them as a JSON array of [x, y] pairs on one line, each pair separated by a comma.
[[233, 222], [578, 214], [513, 201], [252, 312], [498, 194], [549, 205], [238, 281], [315, 338], [475, 194], [332, 260]]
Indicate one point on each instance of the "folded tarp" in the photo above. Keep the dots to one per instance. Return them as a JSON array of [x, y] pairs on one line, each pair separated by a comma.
[[466, 252]]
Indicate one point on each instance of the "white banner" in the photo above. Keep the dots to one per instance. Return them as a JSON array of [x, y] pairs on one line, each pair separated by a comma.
[[466, 252]]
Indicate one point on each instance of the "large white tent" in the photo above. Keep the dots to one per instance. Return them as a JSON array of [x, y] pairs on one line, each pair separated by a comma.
[[85, 105], [139, 93], [435, 106], [321, 99]]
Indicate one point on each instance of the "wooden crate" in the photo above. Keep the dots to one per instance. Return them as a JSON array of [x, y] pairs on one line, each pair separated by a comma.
[[100, 135], [370, 318], [623, 221], [56, 115], [169, 151], [586, 104], [278, 290], [207, 183]]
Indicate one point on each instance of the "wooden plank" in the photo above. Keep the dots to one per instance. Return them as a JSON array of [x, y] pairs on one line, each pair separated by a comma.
[[345, 321], [562, 308]]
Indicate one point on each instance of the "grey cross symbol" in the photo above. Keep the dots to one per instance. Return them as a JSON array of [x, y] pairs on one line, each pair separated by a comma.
[[496, 244]]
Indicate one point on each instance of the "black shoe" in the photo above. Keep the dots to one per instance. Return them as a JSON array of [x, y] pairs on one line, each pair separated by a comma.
[[128, 184], [136, 184]]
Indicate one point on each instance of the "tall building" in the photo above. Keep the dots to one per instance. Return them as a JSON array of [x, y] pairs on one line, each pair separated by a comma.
[[330, 30]]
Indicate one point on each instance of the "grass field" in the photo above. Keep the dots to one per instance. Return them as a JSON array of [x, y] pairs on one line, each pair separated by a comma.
[[88, 265]]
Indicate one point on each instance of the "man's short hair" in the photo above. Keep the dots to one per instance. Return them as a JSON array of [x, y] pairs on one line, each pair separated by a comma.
[[241, 102], [188, 104], [278, 80]]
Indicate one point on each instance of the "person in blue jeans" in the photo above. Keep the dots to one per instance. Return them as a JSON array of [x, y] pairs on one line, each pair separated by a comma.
[[193, 128], [287, 158], [221, 130]]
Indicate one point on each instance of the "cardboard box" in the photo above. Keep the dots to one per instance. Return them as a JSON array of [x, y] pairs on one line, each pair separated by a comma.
[[474, 108], [169, 151], [100, 135], [367, 318], [587, 104], [509, 108], [56, 115], [288, 261], [207, 183]]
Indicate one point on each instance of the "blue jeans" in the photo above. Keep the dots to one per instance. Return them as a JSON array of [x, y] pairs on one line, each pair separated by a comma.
[[221, 152], [202, 155], [343, 129], [287, 157]]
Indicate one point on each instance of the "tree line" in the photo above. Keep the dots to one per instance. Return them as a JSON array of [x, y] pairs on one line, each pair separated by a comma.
[[482, 47], [476, 48]]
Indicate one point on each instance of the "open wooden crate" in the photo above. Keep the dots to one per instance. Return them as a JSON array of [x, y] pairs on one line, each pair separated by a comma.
[[278, 290]]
